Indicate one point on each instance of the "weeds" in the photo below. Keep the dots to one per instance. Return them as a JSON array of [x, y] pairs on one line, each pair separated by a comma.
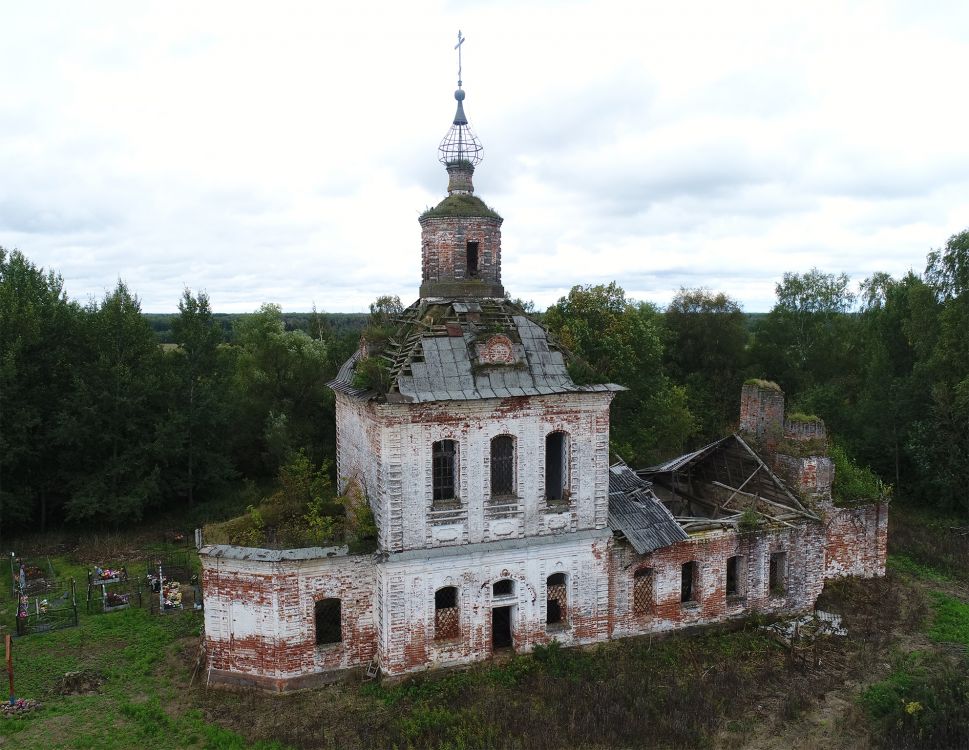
[[923, 703]]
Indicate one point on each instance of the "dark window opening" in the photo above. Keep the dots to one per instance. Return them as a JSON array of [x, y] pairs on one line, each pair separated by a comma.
[[501, 628], [733, 576], [555, 466], [472, 259], [643, 591], [328, 621], [503, 465], [778, 564], [503, 587], [687, 582], [556, 609], [446, 614], [444, 454]]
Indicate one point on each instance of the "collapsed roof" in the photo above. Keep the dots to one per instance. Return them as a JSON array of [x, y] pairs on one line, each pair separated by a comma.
[[460, 350], [710, 488]]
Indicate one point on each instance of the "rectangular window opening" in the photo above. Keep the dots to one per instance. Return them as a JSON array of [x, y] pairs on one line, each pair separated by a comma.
[[328, 621], [503, 466], [557, 600], [688, 582], [733, 576], [447, 620], [643, 592], [778, 573], [443, 469], [555, 467], [472, 264]]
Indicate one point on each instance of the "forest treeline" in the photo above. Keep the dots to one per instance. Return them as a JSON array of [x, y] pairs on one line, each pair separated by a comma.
[[104, 421]]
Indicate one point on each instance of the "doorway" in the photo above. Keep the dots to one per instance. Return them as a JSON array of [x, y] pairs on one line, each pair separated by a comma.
[[501, 628]]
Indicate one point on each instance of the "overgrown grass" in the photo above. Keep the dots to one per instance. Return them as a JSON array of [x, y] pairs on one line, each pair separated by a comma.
[[905, 564], [930, 541], [950, 623], [131, 650], [923, 703]]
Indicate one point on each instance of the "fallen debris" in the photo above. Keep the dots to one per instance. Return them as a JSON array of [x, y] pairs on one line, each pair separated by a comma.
[[20, 706], [83, 682], [806, 628]]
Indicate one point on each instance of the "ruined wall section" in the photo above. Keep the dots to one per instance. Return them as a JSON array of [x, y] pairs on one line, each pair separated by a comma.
[[804, 572], [260, 626], [762, 413], [411, 519], [857, 541], [408, 583], [360, 436]]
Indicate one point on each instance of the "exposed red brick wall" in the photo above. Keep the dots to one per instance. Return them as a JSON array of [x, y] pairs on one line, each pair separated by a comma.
[[444, 248], [259, 617], [762, 414], [804, 548], [856, 541]]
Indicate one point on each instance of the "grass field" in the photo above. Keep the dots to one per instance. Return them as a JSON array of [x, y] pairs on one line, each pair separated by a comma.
[[895, 681]]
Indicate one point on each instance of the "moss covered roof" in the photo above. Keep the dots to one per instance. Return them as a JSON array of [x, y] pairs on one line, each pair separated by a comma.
[[460, 205]]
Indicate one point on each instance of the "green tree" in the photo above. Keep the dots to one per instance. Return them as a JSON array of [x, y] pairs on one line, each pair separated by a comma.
[[613, 338], [706, 353], [282, 378], [198, 409], [112, 428], [805, 343], [38, 349]]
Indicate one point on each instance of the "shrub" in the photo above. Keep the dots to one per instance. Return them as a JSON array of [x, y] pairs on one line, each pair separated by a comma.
[[853, 483]]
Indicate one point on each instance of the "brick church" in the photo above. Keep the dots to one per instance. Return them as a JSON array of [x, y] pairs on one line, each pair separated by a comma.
[[501, 523]]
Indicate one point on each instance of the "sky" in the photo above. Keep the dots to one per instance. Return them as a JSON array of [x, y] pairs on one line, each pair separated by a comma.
[[282, 152]]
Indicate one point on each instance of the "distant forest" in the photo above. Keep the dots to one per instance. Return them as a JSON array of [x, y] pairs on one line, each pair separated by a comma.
[[109, 415]]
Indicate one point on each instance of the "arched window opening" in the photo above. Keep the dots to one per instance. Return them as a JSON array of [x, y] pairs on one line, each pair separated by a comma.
[[556, 611], [328, 621], [502, 466], [556, 466], [643, 592], [446, 614], [444, 469]]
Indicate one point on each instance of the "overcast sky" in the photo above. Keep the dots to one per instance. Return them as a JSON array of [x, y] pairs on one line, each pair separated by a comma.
[[282, 152]]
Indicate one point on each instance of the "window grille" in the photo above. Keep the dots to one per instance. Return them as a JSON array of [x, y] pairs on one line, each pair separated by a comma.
[[444, 453], [328, 621], [555, 466], [557, 601], [447, 623], [643, 591], [503, 465]]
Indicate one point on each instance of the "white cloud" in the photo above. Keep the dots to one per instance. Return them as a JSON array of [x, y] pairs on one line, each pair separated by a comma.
[[283, 153]]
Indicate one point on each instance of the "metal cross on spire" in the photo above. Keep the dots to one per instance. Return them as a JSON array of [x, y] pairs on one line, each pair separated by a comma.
[[458, 48]]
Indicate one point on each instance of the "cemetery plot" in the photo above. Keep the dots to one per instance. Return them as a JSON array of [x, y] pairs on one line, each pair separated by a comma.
[[33, 575], [40, 614]]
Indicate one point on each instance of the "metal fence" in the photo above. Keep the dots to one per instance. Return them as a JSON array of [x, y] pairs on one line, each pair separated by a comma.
[[43, 614]]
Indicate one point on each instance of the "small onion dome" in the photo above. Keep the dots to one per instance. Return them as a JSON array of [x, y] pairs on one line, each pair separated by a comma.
[[460, 145]]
